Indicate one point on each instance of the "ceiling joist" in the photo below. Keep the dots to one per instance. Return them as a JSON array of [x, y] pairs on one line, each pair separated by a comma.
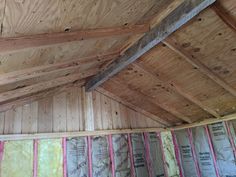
[[8, 44], [45, 70], [156, 102], [25, 91], [178, 90], [199, 65], [182, 14], [222, 13]]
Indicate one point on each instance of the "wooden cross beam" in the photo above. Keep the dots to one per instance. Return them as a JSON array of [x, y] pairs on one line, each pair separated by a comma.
[[181, 15]]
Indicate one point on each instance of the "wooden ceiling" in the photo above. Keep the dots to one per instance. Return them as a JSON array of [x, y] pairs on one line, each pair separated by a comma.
[[189, 76]]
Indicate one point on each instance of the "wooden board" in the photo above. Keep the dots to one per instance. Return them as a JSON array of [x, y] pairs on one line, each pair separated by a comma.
[[66, 111]]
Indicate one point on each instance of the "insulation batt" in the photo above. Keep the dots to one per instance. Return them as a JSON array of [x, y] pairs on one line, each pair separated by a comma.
[[203, 153], [77, 157], [156, 160], [139, 156], [50, 158], [187, 161], [223, 150], [100, 157], [17, 159], [169, 153], [121, 156]]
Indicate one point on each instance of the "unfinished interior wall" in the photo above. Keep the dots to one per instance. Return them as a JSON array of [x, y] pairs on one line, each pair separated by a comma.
[[72, 110], [201, 152]]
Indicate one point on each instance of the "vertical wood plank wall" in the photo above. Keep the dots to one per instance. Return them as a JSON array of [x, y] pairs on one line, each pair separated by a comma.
[[72, 110]]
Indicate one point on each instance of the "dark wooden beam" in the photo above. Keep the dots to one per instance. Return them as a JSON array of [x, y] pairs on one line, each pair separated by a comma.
[[8, 44], [181, 15]]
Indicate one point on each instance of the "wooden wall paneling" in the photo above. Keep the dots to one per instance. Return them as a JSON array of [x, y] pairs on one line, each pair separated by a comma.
[[106, 112], [30, 118], [133, 118], [115, 114], [128, 104], [97, 110], [2, 120], [2, 9], [73, 109], [124, 93], [45, 115], [125, 121], [81, 109], [59, 112], [13, 120], [87, 104]]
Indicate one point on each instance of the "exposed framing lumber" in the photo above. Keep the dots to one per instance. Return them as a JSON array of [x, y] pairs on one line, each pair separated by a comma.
[[166, 108], [181, 15], [44, 70], [111, 132], [153, 22], [178, 90], [25, 91], [31, 41], [205, 122], [126, 103], [199, 65], [222, 13]]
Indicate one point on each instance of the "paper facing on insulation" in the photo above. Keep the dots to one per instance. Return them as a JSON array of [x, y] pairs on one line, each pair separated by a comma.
[[203, 153], [223, 150], [100, 157], [156, 156], [232, 127], [77, 157], [186, 156], [121, 155], [139, 156], [17, 159], [50, 158], [169, 153]]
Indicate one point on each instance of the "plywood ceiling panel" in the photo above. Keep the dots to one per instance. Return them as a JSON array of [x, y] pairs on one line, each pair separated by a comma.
[[26, 17], [54, 54]]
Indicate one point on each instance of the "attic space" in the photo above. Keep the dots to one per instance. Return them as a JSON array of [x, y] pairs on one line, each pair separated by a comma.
[[118, 88]]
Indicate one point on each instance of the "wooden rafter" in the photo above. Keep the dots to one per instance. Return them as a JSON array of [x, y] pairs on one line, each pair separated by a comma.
[[171, 23], [38, 40], [165, 107], [222, 13], [111, 132], [178, 90], [126, 103], [46, 70], [25, 91], [199, 65]]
